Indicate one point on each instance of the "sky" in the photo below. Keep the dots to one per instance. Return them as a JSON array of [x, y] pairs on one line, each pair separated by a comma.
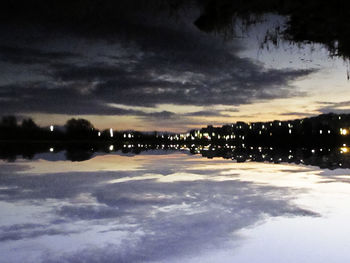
[[146, 68]]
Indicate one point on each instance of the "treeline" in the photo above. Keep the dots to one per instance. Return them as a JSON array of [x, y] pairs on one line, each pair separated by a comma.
[[327, 129], [27, 129], [11, 129], [74, 130]]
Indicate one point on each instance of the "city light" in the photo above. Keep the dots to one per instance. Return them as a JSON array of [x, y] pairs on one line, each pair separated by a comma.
[[51, 128], [344, 149], [343, 131], [111, 132]]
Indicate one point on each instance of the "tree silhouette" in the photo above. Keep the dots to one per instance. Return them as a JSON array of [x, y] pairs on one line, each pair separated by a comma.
[[8, 128], [9, 121], [29, 124], [79, 128]]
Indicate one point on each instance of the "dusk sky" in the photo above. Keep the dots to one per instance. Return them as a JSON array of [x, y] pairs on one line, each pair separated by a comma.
[[152, 69], [121, 134]]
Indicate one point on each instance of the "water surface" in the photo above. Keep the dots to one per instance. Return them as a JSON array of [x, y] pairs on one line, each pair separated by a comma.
[[171, 207]]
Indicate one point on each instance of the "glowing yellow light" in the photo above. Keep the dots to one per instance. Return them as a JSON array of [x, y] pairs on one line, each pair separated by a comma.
[[344, 149], [343, 131]]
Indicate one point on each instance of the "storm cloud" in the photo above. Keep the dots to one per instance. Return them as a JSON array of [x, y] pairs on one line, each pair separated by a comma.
[[144, 60]]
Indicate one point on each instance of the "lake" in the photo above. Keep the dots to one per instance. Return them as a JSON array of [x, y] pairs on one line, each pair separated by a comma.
[[171, 206]]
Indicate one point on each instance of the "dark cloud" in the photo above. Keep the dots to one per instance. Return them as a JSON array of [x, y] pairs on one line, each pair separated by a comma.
[[88, 212], [297, 113], [207, 113], [25, 55], [90, 90], [30, 231], [98, 72], [89, 18], [141, 59], [160, 115], [335, 107]]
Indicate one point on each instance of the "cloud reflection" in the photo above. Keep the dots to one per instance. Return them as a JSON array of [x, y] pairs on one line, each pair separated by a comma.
[[166, 210]]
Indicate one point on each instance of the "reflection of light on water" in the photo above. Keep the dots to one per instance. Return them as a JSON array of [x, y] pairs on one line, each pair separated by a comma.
[[111, 148]]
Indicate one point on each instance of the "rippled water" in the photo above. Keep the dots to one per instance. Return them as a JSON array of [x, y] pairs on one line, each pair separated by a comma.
[[160, 207]]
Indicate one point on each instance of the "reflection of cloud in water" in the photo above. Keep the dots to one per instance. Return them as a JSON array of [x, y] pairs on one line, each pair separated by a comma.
[[28, 231], [163, 211], [335, 176]]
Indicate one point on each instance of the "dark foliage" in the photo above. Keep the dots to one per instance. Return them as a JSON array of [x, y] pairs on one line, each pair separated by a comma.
[[325, 22], [79, 128]]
